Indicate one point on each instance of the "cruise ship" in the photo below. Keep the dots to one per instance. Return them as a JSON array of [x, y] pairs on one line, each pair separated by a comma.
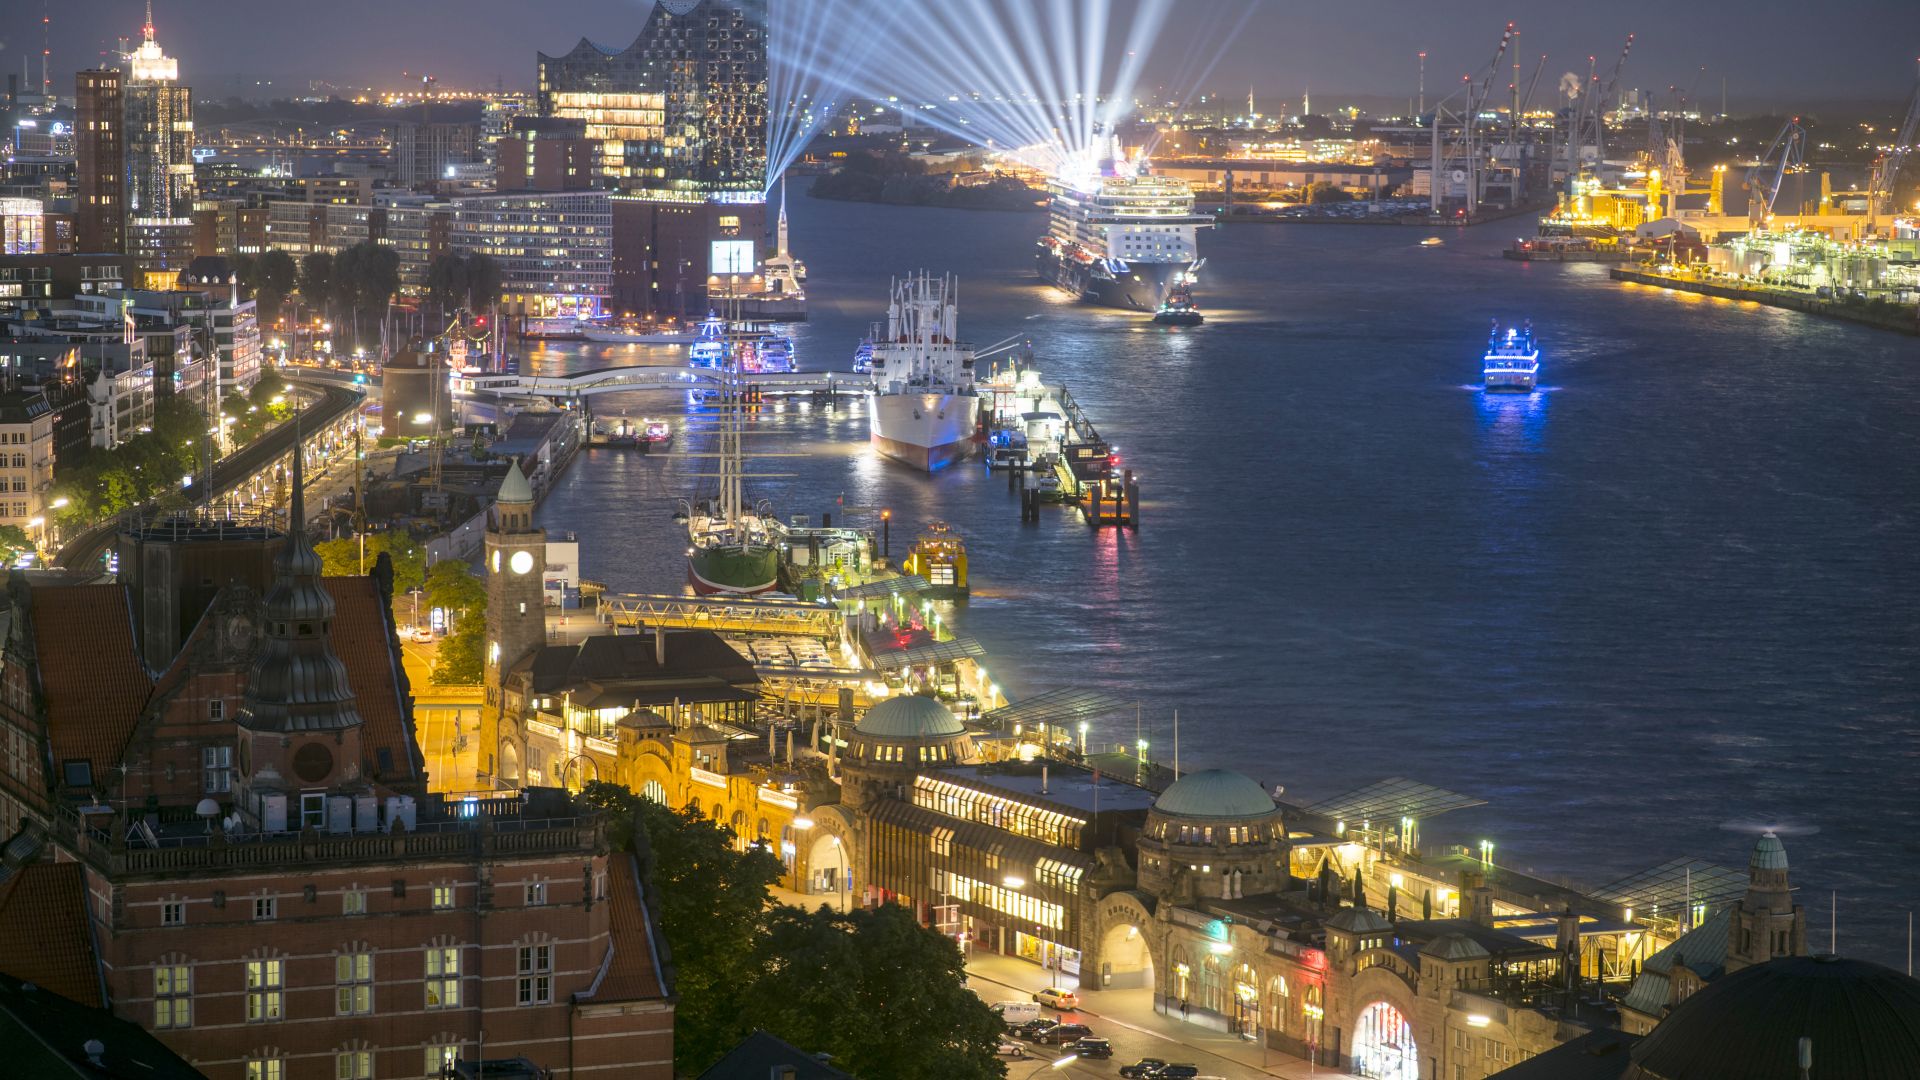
[[924, 410], [1512, 362], [1120, 237]]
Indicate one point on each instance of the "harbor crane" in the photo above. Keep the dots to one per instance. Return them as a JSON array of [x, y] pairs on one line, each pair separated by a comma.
[[1588, 125], [1456, 159], [1886, 171], [1767, 174]]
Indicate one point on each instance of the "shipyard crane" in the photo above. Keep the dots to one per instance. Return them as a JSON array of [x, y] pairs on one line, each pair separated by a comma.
[[1886, 171], [1588, 124], [1767, 174], [1457, 159]]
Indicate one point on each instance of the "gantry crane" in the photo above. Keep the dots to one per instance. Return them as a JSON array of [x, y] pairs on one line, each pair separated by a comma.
[[1767, 174], [1588, 125], [1886, 171], [1457, 159]]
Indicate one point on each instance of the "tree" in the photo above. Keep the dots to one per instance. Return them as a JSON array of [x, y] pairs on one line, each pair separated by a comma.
[[342, 558], [274, 276], [13, 542], [820, 977], [457, 662], [1321, 192], [711, 900], [452, 586], [316, 280]]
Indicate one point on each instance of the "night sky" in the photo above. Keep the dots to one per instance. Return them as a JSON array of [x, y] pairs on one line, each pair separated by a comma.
[[1772, 52]]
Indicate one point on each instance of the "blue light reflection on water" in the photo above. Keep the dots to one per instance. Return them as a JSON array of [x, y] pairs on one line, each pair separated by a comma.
[[1673, 587]]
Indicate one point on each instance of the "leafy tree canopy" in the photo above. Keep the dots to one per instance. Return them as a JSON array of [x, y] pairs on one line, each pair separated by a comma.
[[342, 558]]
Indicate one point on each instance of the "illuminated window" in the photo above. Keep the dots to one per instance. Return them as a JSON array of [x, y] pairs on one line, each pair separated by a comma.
[[353, 902], [266, 1069], [264, 991], [353, 1065], [172, 996], [353, 984], [443, 978], [442, 896]]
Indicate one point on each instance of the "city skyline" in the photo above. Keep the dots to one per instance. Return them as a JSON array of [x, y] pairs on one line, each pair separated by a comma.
[[1280, 54]]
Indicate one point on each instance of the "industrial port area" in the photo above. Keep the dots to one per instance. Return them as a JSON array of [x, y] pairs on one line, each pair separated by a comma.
[[625, 566]]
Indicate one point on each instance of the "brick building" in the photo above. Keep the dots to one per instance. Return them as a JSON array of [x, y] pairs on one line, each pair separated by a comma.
[[267, 884]]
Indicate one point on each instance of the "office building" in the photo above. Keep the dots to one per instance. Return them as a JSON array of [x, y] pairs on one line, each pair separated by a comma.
[[100, 152], [23, 227], [424, 152], [288, 899], [159, 159], [545, 153], [26, 460], [555, 252]]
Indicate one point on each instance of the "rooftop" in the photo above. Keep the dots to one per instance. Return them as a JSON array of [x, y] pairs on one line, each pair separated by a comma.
[[910, 716], [1215, 793], [44, 936], [1068, 786]]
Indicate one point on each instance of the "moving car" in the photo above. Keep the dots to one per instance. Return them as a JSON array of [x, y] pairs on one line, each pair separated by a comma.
[[1010, 1049], [1032, 1028], [1092, 1046], [1062, 1034], [1055, 998], [1144, 1069]]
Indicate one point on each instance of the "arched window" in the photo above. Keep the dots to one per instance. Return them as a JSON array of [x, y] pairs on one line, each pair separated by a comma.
[[1279, 1005], [655, 790]]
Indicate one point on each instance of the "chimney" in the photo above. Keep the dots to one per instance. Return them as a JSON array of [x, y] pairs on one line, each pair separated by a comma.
[[1567, 937], [660, 646], [782, 1072], [1043, 778]]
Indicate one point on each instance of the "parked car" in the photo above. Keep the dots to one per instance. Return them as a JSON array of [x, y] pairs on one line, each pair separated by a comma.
[[1178, 1072], [1031, 1029], [1062, 1034], [1055, 998], [1091, 1046], [1010, 1049], [1144, 1069]]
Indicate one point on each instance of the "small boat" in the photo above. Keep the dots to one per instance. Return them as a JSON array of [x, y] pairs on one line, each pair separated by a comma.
[[863, 353], [637, 334], [940, 556], [1432, 241], [710, 342], [1007, 449], [656, 432], [1178, 309], [1512, 362], [556, 329]]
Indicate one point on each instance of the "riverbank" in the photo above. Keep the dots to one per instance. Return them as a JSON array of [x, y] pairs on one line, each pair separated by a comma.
[[1899, 320]]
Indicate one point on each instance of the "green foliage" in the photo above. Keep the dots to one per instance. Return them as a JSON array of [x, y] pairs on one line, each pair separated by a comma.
[[342, 558], [818, 979], [99, 483], [316, 277], [451, 585], [13, 541], [1320, 192], [711, 901], [274, 277], [456, 281], [822, 978], [457, 662]]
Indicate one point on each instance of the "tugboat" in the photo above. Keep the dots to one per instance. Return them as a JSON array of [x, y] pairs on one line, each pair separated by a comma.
[[940, 556], [1512, 362], [1178, 308]]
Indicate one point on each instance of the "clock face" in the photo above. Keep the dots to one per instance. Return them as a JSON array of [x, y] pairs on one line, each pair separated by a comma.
[[521, 562]]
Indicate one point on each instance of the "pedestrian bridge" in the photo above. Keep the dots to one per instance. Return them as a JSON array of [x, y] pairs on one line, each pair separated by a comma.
[[580, 384]]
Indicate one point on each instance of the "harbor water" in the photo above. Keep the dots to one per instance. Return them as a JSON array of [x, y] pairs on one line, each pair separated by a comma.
[[1668, 599]]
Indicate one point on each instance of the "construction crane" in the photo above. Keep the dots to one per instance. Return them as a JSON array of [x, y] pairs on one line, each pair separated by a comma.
[[1588, 125], [1458, 159], [1767, 174], [1886, 171]]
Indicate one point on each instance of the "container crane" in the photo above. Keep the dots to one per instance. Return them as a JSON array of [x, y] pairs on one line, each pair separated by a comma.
[[1886, 171], [1766, 175], [1457, 159]]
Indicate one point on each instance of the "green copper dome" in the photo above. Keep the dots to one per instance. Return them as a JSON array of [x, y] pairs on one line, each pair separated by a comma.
[[1215, 793], [910, 717]]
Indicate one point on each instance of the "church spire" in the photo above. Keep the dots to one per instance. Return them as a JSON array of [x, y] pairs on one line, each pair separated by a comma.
[[297, 683], [783, 215]]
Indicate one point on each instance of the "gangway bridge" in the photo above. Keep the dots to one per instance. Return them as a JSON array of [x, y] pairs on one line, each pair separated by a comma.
[[581, 384], [723, 614]]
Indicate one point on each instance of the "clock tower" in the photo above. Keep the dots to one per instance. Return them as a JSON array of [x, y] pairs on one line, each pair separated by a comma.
[[516, 565]]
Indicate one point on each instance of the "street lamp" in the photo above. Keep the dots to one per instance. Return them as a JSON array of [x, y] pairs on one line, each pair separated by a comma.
[[1056, 1063]]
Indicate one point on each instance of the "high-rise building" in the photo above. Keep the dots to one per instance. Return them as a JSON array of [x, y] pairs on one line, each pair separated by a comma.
[[100, 147], [422, 153], [555, 252], [680, 119], [159, 157]]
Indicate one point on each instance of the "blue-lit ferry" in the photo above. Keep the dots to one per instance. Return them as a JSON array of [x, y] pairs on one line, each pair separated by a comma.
[[1512, 362]]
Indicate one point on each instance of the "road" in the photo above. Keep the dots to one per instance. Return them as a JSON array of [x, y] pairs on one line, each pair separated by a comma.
[[234, 469]]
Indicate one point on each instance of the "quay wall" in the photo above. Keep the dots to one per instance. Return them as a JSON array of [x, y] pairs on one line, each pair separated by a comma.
[[1902, 322]]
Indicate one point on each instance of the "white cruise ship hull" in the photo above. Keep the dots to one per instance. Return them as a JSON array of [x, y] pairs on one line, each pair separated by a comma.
[[926, 431]]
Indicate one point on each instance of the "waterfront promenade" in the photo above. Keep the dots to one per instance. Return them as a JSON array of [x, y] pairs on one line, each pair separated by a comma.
[[1904, 320]]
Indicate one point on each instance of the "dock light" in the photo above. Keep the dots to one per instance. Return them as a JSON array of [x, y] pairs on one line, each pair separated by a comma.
[[1486, 853], [1629, 914], [1399, 881], [1478, 1020], [1142, 747], [1013, 881]]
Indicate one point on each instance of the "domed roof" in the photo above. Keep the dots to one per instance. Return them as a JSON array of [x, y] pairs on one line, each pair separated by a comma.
[[1359, 920], [1863, 1020], [910, 717], [1215, 793], [1454, 947], [1768, 854], [515, 489]]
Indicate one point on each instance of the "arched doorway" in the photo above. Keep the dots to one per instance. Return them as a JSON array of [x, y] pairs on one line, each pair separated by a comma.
[[1279, 1004], [830, 869], [1244, 1001], [1126, 960], [655, 790], [509, 762], [1383, 1045], [580, 772]]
